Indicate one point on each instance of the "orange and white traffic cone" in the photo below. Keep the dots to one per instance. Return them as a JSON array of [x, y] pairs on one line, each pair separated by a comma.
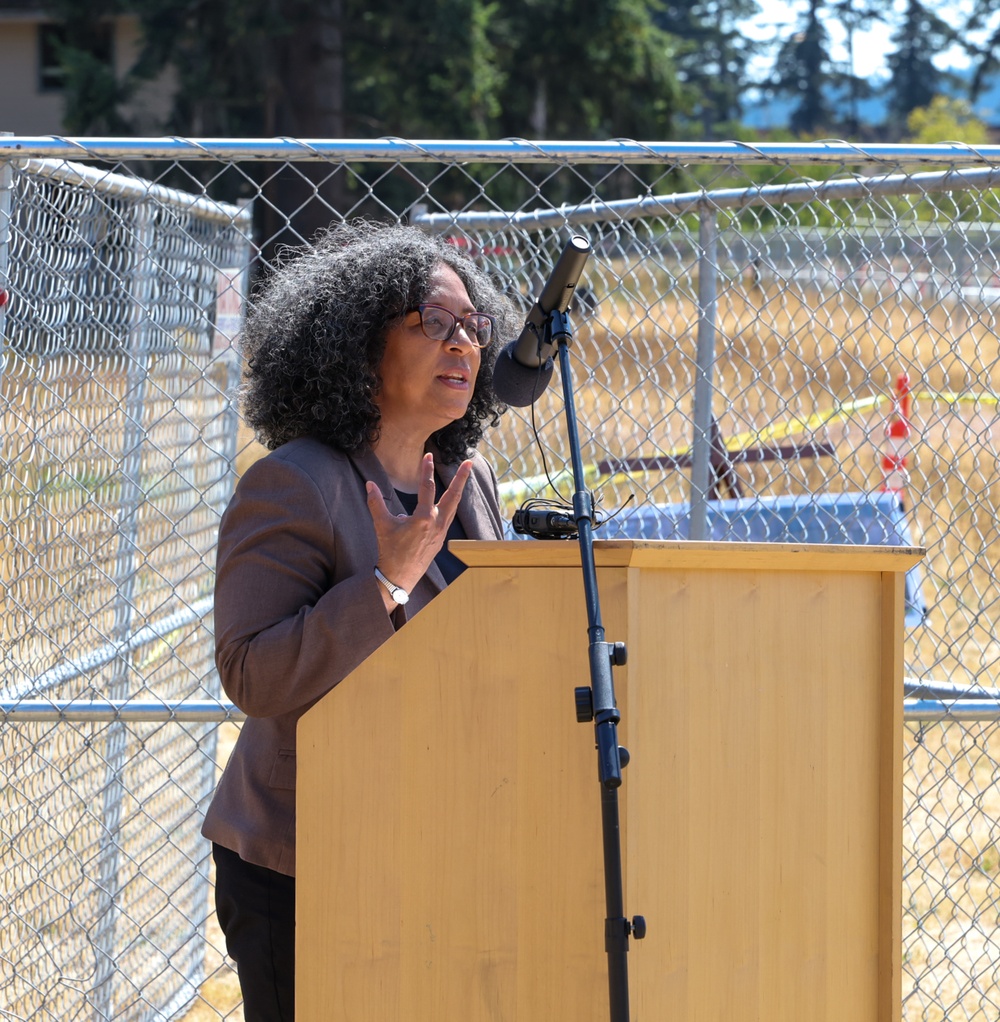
[[895, 475]]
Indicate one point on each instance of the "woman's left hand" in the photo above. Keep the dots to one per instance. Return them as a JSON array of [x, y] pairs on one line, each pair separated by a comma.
[[408, 543]]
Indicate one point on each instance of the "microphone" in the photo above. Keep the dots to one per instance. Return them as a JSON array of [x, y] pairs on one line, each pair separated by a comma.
[[524, 367]]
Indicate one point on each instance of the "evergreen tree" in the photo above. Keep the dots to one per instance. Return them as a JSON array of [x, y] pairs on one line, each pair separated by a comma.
[[855, 16], [369, 68], [424, 70], [913, 79], [712, 58], [804, 69], [981, 24], [94, 94], [596, 70], [358, 68]]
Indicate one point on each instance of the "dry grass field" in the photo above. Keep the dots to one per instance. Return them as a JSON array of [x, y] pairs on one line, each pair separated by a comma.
[[220, 994], [951, 894], [804, 366], [800, 365]]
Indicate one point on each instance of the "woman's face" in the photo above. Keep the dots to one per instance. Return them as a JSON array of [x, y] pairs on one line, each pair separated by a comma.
[[428, 384]]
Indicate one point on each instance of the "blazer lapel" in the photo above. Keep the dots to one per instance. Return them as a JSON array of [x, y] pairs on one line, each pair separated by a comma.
[[473, 510], [370, 469]]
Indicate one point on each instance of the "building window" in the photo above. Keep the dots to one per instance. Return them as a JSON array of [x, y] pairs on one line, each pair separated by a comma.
[[51, 40]]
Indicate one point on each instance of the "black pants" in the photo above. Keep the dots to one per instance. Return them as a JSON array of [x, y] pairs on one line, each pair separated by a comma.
[[256, 909]]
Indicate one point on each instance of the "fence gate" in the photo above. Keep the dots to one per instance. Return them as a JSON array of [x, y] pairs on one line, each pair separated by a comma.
[[119, 439], [771, 342]]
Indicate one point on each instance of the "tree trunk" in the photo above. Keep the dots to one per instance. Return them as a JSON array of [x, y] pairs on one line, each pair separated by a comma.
[[302, 198]]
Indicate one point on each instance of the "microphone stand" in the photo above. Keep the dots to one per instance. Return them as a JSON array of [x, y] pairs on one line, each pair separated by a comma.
[[597, 702]]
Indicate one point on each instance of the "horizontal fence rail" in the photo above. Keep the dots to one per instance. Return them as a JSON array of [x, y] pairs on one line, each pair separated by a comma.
[[790, 342], [137, 711], [504, 151], [955, 708]]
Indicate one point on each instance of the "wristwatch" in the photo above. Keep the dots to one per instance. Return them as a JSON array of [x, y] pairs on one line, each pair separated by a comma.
[[398, 595]]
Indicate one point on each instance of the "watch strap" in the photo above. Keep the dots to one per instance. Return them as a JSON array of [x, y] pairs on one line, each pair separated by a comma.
[[398, 593]]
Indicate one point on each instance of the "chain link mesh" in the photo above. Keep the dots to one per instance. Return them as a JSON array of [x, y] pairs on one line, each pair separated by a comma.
[[118, 446], [765, 348]]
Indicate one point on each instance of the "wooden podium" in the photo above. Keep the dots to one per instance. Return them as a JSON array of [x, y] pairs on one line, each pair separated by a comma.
[[449, 839]]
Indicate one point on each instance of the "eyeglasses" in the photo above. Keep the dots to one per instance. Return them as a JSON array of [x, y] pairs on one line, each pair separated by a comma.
[[439, 323]]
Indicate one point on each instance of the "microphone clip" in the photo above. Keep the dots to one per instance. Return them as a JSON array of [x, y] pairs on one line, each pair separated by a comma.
[[543, 524]]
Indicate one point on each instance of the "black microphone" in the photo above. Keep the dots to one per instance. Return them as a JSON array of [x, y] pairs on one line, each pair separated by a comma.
[[524, 367]]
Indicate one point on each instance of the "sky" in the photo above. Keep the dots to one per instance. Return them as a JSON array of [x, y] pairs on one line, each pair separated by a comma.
[[870, 45]]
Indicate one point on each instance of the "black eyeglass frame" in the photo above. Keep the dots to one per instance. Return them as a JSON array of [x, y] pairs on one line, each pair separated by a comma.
[[473, 335]]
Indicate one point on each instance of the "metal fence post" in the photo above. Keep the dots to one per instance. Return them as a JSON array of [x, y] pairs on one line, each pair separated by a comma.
[[6, 188], [701, 441], [232, 360], [140, 284]]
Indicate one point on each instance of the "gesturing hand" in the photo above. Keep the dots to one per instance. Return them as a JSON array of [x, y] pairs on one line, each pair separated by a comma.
[[408, 543]]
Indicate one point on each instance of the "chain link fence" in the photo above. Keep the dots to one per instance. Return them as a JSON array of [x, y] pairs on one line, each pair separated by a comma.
[[771, 342]]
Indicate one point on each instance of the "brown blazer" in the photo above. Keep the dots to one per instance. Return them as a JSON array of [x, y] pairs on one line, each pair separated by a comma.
[[297, 608]]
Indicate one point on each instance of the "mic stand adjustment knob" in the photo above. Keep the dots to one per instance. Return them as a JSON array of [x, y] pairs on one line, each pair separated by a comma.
[[584, 704]]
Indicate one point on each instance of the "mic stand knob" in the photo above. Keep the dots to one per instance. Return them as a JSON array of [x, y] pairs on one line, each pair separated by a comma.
[[584, 704]]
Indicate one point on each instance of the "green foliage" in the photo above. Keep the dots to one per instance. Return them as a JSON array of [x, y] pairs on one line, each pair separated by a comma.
[[93, 90], [230, 61], [94, 95], [423, 70], [553, 69], [579, 71], [946, 119], [362, 68]]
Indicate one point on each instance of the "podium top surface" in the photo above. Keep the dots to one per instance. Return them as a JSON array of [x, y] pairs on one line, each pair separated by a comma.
[[687, 554]]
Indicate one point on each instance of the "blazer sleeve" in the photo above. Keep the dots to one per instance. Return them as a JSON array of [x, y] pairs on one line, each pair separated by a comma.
[[297, 607]]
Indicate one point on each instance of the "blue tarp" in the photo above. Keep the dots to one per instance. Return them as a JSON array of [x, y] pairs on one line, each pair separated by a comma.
[[869, 519]]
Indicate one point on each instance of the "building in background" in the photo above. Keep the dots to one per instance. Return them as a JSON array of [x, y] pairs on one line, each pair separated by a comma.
[[31, 80]]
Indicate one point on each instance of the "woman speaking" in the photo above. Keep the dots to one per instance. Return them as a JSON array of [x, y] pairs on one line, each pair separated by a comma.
[[368, 361]]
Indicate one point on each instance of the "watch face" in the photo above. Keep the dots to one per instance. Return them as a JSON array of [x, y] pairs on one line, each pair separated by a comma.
[[398, 595]]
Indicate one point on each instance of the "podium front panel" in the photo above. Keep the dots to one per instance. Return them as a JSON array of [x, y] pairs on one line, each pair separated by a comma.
[[759, 831], [450, 857], [450, 853]]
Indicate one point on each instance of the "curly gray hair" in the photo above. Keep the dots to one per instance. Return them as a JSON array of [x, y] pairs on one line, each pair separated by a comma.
[[315, 336]]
